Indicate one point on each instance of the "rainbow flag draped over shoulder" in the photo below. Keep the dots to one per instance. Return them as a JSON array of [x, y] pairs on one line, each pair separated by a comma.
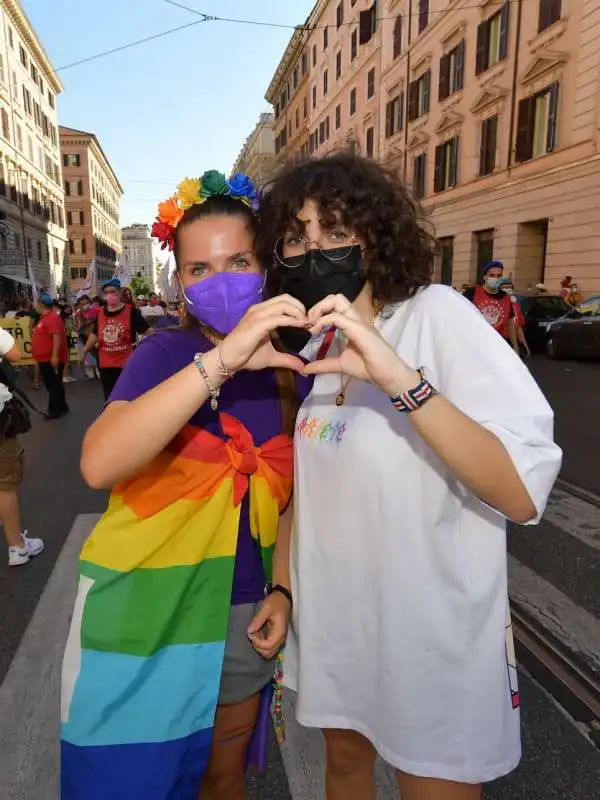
[[142, 666]]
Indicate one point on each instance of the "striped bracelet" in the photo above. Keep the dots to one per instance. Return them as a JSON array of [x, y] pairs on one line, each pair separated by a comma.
[[214, 392], [413, 399]]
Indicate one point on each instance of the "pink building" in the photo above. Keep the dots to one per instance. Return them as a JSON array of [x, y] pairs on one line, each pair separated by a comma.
[[344, 78], [491, 111], [499, 133]]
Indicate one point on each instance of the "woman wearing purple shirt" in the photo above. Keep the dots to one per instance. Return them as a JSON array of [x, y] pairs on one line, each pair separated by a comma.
[[220, 362]]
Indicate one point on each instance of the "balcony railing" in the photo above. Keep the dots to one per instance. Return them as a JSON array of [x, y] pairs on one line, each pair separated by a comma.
[[12, 258]]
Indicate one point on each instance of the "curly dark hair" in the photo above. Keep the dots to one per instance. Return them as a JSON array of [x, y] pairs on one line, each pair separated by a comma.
[[368, 199]]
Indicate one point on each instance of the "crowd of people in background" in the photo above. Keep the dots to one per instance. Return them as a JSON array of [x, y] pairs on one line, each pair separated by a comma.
[[103, 330]]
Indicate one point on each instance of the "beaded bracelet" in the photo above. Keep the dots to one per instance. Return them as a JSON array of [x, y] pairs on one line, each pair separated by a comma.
[[413, 399], [214, 392]]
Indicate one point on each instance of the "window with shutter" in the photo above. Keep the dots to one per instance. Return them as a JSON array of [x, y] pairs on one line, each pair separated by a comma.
[[487, 150], [370, 142], [552, 118], [492, 40], [367, 24], [423, 15], [503, 35], [389, 125], [83, 246], [371, 83], [425, 91], [397, 42], [5, 125], [79, 187], [413, 98], [444, 82], [525, 127], [420, 175], [453, 168], [482, 48], [459, 67], [550, 12], [438, 173]]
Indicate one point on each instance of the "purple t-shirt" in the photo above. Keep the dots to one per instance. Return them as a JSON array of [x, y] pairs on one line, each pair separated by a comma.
[[251, 397]]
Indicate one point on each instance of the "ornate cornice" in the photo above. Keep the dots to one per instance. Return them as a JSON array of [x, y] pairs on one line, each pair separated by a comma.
[[19, 19]]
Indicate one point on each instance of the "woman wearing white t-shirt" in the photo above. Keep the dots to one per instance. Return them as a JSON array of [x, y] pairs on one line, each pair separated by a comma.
[[422, 434]]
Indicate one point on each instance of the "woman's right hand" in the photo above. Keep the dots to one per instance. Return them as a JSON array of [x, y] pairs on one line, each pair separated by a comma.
[[249, 345]]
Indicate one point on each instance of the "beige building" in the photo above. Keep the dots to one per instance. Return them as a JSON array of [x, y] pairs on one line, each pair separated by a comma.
[[490, 112], [499, 133], [33, 235], [258, 154], [92, 196], [137, 251], [288, 94]]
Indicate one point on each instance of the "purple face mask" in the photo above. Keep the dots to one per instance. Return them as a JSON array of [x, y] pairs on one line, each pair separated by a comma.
[[222, 300]]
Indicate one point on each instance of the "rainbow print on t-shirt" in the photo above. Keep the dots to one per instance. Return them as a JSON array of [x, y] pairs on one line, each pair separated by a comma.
[[143, 661]]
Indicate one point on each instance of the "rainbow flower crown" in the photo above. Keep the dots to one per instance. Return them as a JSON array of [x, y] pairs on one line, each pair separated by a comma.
[[194, 191]]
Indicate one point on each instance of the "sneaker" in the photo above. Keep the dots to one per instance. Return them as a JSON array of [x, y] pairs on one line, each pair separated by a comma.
[[68, 379], [21, 555]]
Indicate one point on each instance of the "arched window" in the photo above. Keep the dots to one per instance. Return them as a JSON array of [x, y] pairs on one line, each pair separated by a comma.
[[398, 36]]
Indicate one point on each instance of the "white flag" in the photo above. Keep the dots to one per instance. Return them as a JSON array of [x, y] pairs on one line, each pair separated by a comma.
[[167, 282], [90, 281], [123, 273]]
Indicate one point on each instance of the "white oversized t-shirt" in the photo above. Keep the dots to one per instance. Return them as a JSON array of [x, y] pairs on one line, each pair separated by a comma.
[[7, 343], [401, 627]]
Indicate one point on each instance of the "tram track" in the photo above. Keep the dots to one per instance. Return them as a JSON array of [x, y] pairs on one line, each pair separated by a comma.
[[562, 672]]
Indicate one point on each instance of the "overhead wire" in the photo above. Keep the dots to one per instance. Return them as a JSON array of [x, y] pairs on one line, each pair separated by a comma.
[[307, 27]]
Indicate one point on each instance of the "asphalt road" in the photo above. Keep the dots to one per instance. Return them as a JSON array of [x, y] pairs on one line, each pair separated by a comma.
[[559, 762], [573, 390]]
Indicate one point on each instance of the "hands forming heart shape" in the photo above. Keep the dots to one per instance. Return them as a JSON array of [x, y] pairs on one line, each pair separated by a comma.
[[367, 356]]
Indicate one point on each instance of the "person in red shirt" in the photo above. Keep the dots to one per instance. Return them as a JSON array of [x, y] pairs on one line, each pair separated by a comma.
[[49, 349], [115, 331], [494, 303]]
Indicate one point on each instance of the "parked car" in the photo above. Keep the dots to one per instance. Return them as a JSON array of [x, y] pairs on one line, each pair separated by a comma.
[[540, 310], [577, 335]]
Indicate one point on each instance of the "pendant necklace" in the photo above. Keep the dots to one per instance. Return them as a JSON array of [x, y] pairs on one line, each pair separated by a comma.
[[341, 395]]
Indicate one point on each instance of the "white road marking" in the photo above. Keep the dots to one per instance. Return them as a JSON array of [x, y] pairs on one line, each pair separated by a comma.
[[30, 692]]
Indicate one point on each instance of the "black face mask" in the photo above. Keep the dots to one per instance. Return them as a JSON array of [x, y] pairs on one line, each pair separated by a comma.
[[312, 277]]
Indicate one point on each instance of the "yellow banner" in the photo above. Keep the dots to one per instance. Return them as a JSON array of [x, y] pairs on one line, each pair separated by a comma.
[[18, 327]]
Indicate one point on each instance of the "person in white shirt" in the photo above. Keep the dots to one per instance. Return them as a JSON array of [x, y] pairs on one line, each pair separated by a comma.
[[422, 434], [20, 547]]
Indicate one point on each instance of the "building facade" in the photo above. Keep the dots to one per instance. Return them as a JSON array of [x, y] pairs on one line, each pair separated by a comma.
[[92, 196], [489, 111], [33, 235], [344, 50], [499, 134], [288, 94], [257, 157], [137, 252]]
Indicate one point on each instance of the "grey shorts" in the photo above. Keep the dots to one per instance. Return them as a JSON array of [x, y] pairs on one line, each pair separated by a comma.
[[245, 672]]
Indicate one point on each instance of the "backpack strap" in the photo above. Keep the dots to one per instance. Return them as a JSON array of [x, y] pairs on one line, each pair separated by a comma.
[[23, 397]]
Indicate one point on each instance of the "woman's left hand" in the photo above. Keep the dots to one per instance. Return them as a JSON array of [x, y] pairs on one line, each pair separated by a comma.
[[367, 355], [268, 630]]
